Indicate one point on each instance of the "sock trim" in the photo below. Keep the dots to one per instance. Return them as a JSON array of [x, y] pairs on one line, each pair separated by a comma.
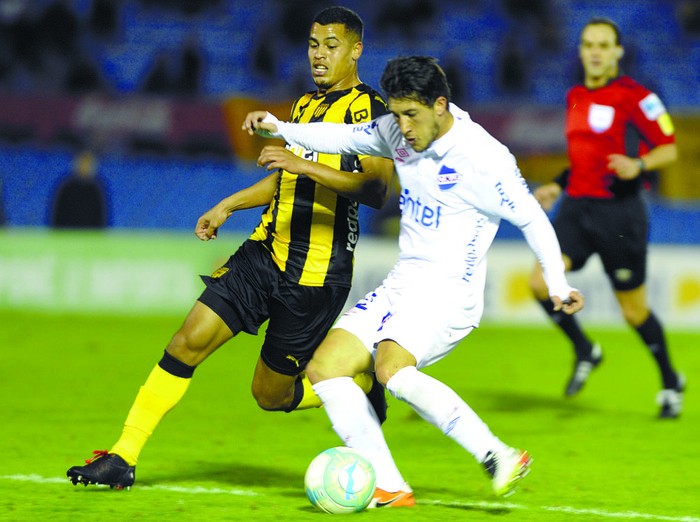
[[176, 367]]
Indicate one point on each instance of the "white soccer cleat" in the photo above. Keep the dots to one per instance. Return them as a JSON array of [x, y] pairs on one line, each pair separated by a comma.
[[671, 399], [507, 468]]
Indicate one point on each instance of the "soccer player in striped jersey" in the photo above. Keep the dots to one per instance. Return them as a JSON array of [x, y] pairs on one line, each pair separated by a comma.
[[295, 270], [616, 130]]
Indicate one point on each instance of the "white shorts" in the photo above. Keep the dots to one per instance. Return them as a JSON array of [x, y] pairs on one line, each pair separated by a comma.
[[427, 326]]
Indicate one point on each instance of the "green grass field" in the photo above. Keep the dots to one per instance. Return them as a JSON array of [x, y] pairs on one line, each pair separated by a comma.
[[68, 382]]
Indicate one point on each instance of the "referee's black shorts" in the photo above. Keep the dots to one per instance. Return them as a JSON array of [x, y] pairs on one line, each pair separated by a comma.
[[616, 229], [249, 289]]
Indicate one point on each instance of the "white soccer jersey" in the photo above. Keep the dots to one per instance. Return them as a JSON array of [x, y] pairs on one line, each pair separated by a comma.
[[453, 196]]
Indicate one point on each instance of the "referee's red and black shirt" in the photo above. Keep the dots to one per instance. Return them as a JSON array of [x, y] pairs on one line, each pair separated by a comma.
[[622, 117]]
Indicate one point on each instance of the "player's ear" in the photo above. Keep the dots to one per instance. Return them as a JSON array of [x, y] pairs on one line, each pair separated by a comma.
[[357, 51], [620, 52], [441, 105]]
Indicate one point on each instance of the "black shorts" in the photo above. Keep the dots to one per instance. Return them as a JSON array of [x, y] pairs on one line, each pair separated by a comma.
[[616, 229], [250, 289]]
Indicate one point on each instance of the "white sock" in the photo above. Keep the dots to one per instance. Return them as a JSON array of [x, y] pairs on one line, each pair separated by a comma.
[[356, 423], [443, 408]]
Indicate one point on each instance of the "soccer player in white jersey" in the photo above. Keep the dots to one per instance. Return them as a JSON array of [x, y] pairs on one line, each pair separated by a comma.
[[457, 183]]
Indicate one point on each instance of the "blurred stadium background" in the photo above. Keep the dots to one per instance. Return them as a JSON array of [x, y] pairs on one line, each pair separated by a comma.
[[157, 90]]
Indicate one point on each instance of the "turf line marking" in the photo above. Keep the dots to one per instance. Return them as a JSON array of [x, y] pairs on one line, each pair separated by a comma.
[[628, 515], [631, 515], [37, 479]]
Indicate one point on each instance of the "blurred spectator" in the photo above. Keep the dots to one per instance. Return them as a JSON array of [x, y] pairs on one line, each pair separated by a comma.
[[59, 28], [456, 77], [103, 18], [406, 17], [513, 77], [689, 16], [542, 18], [177, 74], [297, 16], [83, 75], [81, 199]]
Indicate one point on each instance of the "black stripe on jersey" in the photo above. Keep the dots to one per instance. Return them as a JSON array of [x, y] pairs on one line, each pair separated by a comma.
[[271, 225], [304, 196], [300, 226]]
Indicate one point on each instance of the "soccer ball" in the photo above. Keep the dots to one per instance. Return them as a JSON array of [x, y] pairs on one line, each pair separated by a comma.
[[340, 480]]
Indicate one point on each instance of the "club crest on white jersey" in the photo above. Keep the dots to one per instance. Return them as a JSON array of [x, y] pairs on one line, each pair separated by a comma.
[[448, 177]]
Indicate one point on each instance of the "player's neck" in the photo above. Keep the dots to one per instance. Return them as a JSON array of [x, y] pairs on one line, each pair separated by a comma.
[[346, 83], [445, 124], [596, 82]]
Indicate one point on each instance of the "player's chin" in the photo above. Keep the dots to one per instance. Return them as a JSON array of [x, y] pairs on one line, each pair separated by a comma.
[[322, 84]]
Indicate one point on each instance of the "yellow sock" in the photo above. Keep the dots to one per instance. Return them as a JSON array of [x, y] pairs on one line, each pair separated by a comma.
[[364, 381], [311, 400], [161, 392]]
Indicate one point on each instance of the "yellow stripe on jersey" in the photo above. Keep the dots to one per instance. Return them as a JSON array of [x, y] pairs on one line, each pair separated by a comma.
[[310, 230]]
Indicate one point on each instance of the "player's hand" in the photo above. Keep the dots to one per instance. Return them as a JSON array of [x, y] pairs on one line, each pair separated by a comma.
[[570, 305], [208, 225], [547, 194], [254, 123], [623, 166], [273, 157]]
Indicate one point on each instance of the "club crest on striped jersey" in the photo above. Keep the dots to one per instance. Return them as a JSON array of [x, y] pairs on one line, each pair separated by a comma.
[[448, 177]]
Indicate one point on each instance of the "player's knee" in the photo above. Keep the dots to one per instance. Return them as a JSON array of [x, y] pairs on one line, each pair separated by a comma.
[[271, 403], [186, 347], [635, 316], [320, 369], [385, 373]]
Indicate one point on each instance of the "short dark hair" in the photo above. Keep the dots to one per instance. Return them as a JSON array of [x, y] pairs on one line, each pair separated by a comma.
[[604, 20], [341, 15], [417, 78]]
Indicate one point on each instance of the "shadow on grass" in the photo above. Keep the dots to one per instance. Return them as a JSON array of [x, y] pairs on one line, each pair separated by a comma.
[[507, 401], [232, 474]]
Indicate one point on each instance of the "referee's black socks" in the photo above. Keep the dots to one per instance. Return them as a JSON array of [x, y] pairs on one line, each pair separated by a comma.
[[570, 326], [652, 334]]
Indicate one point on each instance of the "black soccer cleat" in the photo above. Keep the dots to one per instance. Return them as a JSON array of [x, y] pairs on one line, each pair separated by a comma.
[[104, 468], [377, 398], [582, 369]]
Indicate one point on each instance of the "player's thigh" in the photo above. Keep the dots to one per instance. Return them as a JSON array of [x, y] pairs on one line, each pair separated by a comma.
[[341, 354], [300, 317], [572, 225], [622, 244], [202, 332], [271, 389]]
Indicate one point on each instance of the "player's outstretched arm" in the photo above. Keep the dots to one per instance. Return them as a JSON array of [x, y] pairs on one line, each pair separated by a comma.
[[257, 195], [254, 123], [369, 187]]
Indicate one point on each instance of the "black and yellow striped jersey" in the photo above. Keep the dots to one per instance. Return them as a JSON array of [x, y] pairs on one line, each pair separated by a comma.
[[310, 230]]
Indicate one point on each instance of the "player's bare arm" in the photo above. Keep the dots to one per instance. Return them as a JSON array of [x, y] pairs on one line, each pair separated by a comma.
[[629, 168], [547, 194], [257, 195], [254, 122], [370, 187]]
